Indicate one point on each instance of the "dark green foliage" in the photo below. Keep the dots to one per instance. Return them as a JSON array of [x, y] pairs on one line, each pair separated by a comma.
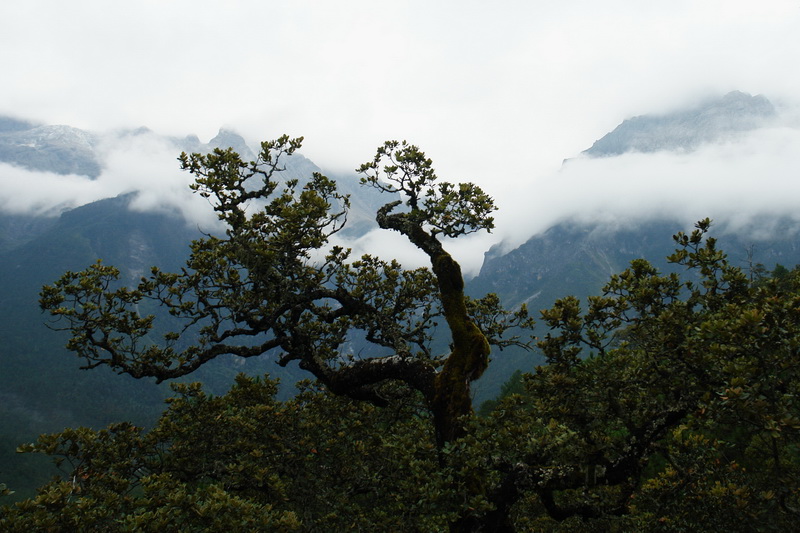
[[514, 385], [683, 414], [316, 462], [272, 285], [668, 402]]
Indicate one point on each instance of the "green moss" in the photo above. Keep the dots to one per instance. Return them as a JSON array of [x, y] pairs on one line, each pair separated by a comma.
[[470, 356]]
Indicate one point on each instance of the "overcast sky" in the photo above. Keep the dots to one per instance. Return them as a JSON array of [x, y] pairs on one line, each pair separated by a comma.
[[497, 93]]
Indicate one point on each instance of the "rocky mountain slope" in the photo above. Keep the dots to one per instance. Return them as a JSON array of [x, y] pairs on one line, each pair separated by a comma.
[[715, 120], [59, 149]]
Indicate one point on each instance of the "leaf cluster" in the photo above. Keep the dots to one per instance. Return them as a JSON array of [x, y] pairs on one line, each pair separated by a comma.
[[448, 209], [244, 461]]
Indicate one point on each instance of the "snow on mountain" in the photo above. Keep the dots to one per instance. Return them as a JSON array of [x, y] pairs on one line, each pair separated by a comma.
[[58, 149]]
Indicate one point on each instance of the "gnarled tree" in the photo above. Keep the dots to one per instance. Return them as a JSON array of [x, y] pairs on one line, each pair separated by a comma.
[[274, 284], [668, 403]]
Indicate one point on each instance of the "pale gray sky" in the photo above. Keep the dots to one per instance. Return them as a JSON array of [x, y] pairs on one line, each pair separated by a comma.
[[497, 93]]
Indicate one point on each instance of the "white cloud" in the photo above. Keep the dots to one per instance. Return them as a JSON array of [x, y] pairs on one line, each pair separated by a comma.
[[42, 193], [144, 164], [734, 183], [498, 94], [529, 82]]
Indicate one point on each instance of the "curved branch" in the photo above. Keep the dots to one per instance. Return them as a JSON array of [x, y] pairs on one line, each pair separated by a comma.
[[357, 380]]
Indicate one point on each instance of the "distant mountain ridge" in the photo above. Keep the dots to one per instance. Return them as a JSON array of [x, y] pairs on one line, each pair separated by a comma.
[[62, 149], [57, 149], [686, 130]]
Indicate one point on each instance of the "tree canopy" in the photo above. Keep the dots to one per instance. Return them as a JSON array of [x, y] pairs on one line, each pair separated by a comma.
[[668, 403]]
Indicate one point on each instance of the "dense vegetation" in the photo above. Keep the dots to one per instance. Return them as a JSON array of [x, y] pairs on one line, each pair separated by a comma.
[[668, 403]]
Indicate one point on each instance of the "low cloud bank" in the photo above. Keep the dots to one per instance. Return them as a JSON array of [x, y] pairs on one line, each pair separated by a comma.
[[144, 164], [749, 185], [742, 185]]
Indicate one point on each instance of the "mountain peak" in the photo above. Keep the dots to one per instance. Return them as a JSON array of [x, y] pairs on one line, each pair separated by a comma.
[[230, 139]]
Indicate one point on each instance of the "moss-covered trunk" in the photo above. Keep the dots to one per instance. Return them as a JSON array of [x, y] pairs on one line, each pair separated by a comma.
[[468, 359]]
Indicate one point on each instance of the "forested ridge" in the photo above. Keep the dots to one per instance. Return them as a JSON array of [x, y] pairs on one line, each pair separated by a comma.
[[667, 402]]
